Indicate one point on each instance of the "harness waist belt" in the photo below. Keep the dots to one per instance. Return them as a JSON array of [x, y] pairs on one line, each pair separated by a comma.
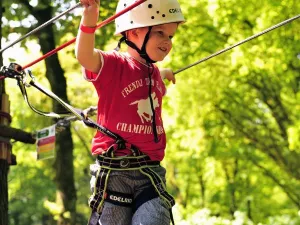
[[126, 162]]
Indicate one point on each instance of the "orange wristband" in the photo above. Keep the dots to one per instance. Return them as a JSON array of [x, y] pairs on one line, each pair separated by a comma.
[[88, 30]]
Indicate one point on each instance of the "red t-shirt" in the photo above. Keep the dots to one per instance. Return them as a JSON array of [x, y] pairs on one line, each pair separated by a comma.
[[122, 85]]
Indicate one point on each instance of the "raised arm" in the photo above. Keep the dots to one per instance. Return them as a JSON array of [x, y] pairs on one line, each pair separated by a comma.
[[85, 52]]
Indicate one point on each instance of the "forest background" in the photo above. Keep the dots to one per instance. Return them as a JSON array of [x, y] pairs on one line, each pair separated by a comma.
[[232, 122]]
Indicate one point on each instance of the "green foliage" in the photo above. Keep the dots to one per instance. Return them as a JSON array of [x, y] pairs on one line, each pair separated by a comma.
[[235, 109], [232, 122]]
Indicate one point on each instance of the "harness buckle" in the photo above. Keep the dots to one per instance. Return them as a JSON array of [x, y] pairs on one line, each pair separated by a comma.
[[124, 163]]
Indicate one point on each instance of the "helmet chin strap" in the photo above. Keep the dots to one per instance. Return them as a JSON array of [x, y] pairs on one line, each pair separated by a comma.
[[144, 55], [142, 52]]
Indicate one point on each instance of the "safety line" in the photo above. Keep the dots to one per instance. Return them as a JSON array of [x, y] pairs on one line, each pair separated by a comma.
[[40, 27], [103, 23], [239, 43]]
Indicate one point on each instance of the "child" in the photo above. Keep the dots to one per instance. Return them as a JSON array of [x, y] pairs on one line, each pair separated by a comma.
[[128, 182]]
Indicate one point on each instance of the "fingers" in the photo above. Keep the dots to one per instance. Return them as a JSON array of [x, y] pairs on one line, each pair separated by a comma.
[[168, 74], [173, 80], [91, 111], [171, 77], [90, 12], [90, 3]]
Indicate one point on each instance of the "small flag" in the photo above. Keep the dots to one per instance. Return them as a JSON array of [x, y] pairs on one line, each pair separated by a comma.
[[46, 143]]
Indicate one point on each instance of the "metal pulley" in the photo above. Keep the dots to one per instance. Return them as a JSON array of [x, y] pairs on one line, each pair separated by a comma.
[[14, 70]]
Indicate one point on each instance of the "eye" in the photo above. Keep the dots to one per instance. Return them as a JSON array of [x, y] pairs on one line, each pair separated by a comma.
[[160, 33]]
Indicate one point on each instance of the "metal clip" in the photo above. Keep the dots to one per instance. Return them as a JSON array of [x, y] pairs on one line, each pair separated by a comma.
[[14, 70]]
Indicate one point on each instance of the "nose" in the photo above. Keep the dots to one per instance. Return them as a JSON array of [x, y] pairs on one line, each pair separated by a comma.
[[168, 43]]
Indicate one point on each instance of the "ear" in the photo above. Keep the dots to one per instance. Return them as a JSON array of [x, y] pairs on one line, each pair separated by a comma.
[[132, 34]]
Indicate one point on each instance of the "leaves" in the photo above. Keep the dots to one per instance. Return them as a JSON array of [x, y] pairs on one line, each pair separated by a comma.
[[232, 121]]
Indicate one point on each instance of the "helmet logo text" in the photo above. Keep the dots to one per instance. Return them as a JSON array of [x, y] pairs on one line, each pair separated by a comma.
[[177, 10]]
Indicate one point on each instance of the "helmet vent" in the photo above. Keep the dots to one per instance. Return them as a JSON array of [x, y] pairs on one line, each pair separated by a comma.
[[152, 17], [163, 15], [150, 6]]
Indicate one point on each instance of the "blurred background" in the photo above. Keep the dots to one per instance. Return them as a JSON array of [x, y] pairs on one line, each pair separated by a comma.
[[232, 122]]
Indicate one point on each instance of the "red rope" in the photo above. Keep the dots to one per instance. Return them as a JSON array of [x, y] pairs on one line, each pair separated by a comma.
[[103, 23]]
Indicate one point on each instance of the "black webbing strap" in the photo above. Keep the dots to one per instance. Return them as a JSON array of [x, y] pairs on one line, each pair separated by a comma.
[[97, 199], [146, 195], [94, 218], [142, 52], [161, 189], [159, 186]]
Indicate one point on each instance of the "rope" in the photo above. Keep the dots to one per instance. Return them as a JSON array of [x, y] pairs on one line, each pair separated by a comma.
[[40, 27], [103, 23], [239, 43]]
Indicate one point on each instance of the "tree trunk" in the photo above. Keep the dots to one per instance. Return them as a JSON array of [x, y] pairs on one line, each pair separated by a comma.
[[3, 162], [202, 189], [230, 178], [64, 169], [3, 192]]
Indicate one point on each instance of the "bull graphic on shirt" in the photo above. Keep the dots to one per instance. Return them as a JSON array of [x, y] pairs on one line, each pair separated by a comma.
[[144, 107]]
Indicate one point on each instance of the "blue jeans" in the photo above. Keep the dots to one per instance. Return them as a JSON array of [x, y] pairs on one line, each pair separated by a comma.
[[152, 212]]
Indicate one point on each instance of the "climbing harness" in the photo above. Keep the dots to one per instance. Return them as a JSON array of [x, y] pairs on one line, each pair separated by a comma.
[[106, 163]]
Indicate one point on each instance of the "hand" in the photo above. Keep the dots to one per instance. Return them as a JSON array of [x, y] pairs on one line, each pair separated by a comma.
[[90, 4], [90, 111], [167, 74], [91, 12]]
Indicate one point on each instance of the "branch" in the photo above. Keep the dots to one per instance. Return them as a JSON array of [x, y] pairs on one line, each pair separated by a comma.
[[293, 196], [17, 134]]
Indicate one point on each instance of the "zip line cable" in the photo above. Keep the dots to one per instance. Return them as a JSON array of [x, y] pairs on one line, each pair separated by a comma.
[[40, 27], [239, 43]]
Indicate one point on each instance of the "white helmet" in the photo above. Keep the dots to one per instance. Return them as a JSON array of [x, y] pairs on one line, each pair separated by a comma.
[[149, 13]]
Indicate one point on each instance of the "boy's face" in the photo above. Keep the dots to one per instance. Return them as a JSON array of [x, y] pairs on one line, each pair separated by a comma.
[[159, 44]]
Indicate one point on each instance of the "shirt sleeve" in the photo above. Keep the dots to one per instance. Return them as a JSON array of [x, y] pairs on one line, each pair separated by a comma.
[[90, 76], [109, 71]]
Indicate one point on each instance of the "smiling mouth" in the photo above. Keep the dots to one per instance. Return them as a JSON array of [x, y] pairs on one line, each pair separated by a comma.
[[163, 49]]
